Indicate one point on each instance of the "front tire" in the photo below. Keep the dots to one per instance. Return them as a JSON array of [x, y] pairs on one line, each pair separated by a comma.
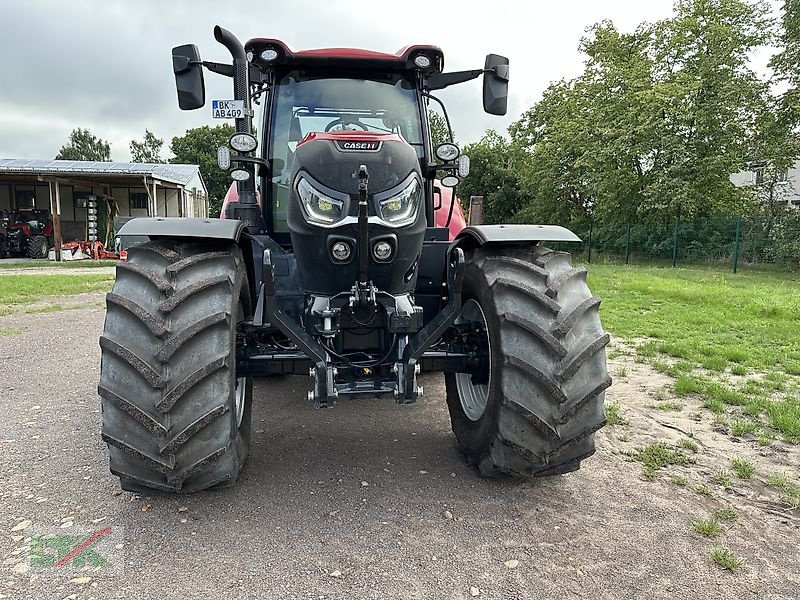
[[37, 247], [543, 401], [175, 417]]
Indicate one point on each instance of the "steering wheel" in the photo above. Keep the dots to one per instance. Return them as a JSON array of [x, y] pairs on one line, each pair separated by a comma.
[[345, 125]]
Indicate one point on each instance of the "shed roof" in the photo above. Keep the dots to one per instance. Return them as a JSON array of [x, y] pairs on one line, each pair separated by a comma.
[[174, 173]]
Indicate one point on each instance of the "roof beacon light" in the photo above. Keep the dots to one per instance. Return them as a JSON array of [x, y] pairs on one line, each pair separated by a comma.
[[422, 61], [269, 54]]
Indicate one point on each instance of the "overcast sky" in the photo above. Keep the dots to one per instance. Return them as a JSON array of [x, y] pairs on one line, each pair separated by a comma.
[[105, 64]]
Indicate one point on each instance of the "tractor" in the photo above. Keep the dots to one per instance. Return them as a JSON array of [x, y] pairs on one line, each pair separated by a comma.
[[343, 257], [25, 233]]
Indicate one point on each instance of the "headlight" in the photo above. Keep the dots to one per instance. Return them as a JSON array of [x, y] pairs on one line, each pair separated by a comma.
[[401, 209], [319, 208]]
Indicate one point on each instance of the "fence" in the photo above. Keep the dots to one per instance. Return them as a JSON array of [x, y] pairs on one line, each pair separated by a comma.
[[734, 241]]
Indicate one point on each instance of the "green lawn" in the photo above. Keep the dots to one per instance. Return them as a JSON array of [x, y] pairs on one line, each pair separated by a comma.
[[75, 264], [732, 339], [18, 290]]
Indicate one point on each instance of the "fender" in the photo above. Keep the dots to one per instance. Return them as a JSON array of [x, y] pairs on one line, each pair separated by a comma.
[[153, 227], [476, 236]]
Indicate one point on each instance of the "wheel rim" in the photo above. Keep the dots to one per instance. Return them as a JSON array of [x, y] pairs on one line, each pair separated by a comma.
[[474, 396], [239, 399]]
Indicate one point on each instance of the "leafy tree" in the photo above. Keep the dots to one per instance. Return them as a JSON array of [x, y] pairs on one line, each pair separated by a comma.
[[655, 125], [785, 63], [493, 175], [439, 130], [82, 145], [148, 150], [199, 146]]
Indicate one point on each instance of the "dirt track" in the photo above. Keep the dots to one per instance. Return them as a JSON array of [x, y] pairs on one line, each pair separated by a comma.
[[303, 524]]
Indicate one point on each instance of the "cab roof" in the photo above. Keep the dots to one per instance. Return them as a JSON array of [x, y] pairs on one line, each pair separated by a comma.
[[350, 58]]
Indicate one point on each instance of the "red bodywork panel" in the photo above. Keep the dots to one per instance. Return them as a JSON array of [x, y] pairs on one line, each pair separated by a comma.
[[231, 196], [26, 229], [351, 136], [440, 214]]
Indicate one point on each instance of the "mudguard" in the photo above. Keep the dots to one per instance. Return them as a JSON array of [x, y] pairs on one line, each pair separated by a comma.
[[479, 235], [152, 227]]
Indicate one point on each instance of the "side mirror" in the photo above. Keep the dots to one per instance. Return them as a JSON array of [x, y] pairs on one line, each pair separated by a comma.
[[495, 85], [188, 71]]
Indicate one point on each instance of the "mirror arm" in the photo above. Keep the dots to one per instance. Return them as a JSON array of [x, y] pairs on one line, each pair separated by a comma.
[[219, 68], [439, 81], [256, 75]]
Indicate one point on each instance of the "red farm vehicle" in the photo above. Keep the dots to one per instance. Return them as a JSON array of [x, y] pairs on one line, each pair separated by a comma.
[[343, 259]]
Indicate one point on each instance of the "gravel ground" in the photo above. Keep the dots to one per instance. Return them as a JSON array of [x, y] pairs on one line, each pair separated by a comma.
[[367, 500]]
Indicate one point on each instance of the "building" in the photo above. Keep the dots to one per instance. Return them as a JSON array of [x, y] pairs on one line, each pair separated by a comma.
[[128, 189], [786, 188]]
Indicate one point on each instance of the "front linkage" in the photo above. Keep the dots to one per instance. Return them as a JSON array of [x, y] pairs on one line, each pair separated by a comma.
[[386, 377]]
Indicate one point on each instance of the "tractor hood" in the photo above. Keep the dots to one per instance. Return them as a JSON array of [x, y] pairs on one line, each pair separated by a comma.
[[333, 159], [323, 210]]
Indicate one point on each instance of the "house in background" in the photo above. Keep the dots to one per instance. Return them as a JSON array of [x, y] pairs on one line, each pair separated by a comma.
[[786, 186], [137, 189]]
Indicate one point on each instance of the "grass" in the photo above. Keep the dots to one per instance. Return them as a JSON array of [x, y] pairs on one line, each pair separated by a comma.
[[722, 478], [679, 480], [656, 456], [688, 444], [743, 468], [44, 309], [41, 264], [667, 406], [19, 290], [790, 493], [726, 514], [707, 527], [698, 324], [739, 370], [726, 559], [742, 427], [9, 331], [613, 416], [703, 489]]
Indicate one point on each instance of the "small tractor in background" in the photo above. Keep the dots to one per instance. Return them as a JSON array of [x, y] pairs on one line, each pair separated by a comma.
[[25, 233], [344, 258]]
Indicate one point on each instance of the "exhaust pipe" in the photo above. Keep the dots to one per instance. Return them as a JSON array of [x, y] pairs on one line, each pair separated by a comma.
[[247, 210]]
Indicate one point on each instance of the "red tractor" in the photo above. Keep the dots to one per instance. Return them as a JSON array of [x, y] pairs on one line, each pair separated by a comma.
[[344, 259], [25, 233]]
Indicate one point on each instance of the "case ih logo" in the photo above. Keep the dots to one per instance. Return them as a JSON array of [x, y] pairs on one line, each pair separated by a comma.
[[353, 146]]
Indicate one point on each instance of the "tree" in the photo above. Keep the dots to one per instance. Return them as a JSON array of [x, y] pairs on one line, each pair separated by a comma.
[[655, 125], [199, 146], [493, 175], [440, 133], [148, 150], [785, 63], [83, 145]]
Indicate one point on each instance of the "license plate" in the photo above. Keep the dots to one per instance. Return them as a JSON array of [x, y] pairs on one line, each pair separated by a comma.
[[227, 109]]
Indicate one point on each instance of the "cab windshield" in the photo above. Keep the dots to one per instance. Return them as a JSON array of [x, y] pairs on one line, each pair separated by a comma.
[[305, 103]]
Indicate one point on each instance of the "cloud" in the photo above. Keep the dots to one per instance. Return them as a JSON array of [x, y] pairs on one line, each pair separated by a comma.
[[105, 64]]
